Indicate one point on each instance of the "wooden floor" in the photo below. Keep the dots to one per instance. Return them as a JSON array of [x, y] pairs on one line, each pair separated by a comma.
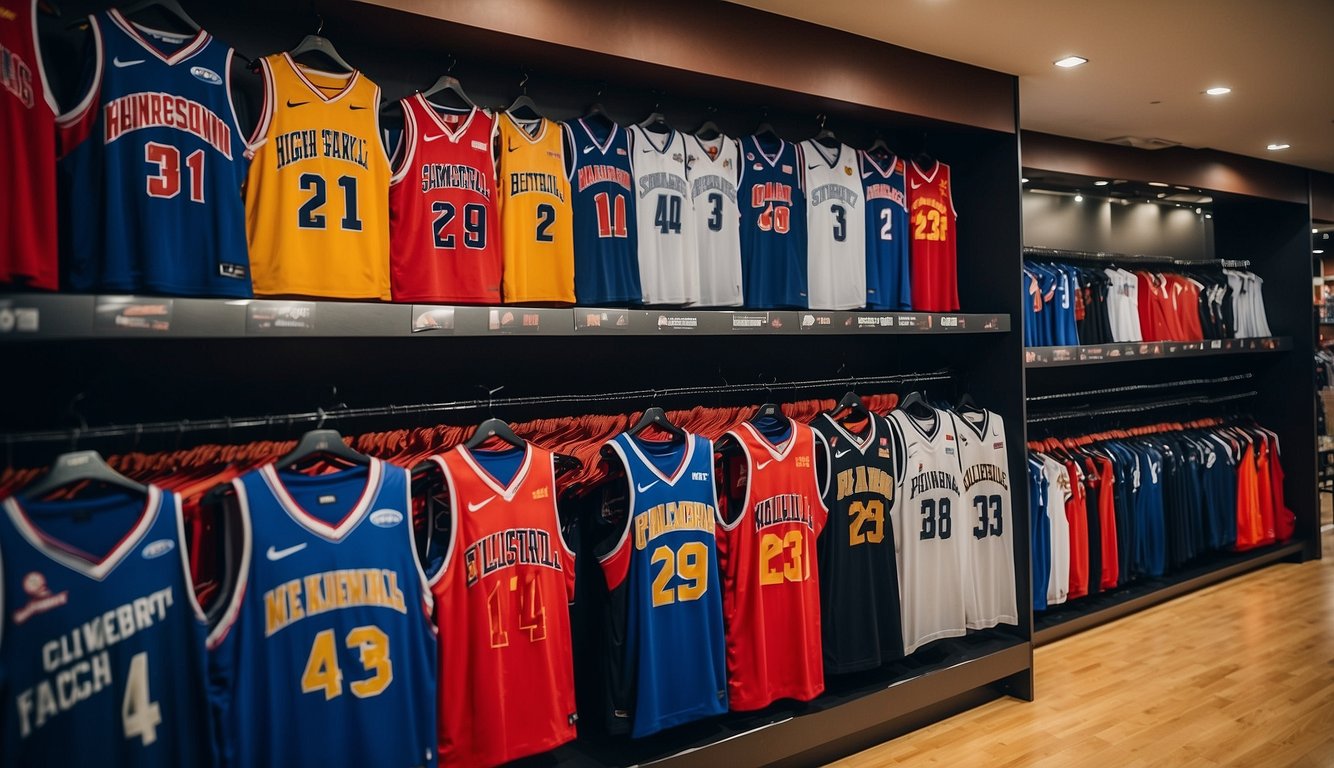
[[1240, 674]]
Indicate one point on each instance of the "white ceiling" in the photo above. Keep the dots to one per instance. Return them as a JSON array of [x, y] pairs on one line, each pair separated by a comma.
[[1149, 63]]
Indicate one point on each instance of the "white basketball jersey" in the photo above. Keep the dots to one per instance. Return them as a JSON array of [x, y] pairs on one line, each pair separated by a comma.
[[989, 597], [835, 227], [1058, 493], [931, 531], [713, 168], [668, 266]]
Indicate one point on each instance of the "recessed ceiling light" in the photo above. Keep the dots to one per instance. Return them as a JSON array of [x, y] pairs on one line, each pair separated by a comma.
[[1219, 90], [1199, 210], [1157, 184], [1185, 189], [1079, 198], [1101, 183], [1070, 61], [1024, 180], [1276, 147], [1161, 195], [1208, 215], [1318, 250]]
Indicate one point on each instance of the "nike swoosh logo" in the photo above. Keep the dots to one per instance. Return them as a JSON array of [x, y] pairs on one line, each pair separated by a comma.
[[643, 488], [354, 108], [474, 507], [842, 453], [433, 138], [764, 464], [812, 167], [915, 185], [291, 103], [117, 62], [278, 554], [510, 147]]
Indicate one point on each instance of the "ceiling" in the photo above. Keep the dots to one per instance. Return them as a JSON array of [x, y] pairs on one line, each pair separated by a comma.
[[1149, 63]]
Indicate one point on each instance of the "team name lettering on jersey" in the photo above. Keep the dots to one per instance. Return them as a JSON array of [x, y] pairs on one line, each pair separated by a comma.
[[827, 192], [979, 472], [454, 176], [16, 76], [309, 143], [672, 516], [318, 593], [527, 181], [592, 174], [931, 480], [865, 480], [929, 202], [78, 663], [762, 195], [508, 548], [721, 184], [886, 192], [784, 508], [164, 110], [661, 180]]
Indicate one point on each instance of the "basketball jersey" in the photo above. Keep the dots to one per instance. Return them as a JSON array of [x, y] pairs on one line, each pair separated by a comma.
[[771, 600], [887, 282], [1058, 493], [668, 262], [153, 166], [507, 675], [535, 213], [859, 580], [102, 658], [773, 226], [606, 270], [317, 201], [931, 530], [328, 629], [444, 218], [28, 167], [713, 168], [934, 268], [989, 596], [835, 226], [666, 560]]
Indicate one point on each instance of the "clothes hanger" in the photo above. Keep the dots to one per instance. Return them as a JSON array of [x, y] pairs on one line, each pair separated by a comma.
[[966, 403], [826, 137], [447, 83], [496, 428], [79, 467], [168, 7], [879, 147], [322, 443], [656, 122], [915, 404], [317, 44], [597, 112], [654, 416], [708, 130], [853, 405], [522, 103]]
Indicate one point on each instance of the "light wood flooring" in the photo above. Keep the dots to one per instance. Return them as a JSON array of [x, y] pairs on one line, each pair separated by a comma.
[[1239, 674]]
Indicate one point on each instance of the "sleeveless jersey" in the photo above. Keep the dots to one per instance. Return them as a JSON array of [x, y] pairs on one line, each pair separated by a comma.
[[713, 167], [507, 675], [444, 218], [28, 166], [328, 627], [102, 656], [668, 264], [887, 282], [930, 528], [153, 167], [989, 596], [605, 268], [773, 226], [835, 226], [934, 268], [535, 213], [859, 580], [771, 602], [666, 561], [317, 201]]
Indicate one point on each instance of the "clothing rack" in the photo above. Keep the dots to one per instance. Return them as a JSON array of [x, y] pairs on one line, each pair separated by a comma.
[[1132, 258], [320, 415], [1142, 387], [1141, 407]]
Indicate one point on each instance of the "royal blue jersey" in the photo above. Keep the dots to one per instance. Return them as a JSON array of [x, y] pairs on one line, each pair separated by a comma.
[[666, 564], [325, 654], [153, 167], [102, 651], [606, 261], [773, 225], [888, 284]]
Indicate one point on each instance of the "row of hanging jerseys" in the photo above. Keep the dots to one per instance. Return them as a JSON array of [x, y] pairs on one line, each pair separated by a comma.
[[475, 208], [1113, 508], [732, 575]]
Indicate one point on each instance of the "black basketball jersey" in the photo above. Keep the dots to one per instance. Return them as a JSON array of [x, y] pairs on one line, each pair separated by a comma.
[[859, 582]]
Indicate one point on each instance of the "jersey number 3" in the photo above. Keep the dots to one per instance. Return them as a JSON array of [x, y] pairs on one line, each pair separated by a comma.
[[323, 673]]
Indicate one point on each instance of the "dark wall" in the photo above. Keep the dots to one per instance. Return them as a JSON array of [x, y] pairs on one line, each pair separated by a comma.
[[1057, 221]]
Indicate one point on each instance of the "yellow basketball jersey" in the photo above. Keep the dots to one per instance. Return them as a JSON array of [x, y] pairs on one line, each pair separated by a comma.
[[535, 213], [317, 198]]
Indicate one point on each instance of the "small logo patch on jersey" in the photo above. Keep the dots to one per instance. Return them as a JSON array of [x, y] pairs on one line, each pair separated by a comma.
[[118, 64], [474, 507], [237, 271], [847, 169], [787, 168], [998, 446], [750, 155], [7, 14], [884, 453], [40, 599], [291, 104], [480, 146], [354, 107], [206, 74], [542, 493], [642, 488], [702, 476], [842, 453], [154, 549], [620, 151], [437, 137], [949, 449], [759, 167], [764, 464], [386, 518], [274, 554], [676, 157]]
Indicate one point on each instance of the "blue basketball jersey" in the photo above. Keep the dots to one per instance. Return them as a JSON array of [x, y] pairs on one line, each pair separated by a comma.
[[667, 560], [102, 652], [325, 654], [773, 226], [606, 261], [153, 167], [888, 285]]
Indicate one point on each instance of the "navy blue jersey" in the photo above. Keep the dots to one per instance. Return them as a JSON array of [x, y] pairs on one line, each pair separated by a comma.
[[153, 167], [606, 261], [666, 561], [102, 655], [325, 654], [773, 225], [1041, 533], [888, 284]]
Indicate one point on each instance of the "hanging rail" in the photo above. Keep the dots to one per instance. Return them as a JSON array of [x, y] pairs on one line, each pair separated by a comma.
[[1141, 407], [1142, 387], [1131, 258]]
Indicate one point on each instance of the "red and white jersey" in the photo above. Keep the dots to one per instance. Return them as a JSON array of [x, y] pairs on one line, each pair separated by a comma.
[[771, 600], [506, 670], [444, 225], [931, 219], [28, 162]]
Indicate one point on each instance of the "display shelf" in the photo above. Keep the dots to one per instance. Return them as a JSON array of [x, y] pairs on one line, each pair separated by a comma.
[[1091, 354], [43, 317]]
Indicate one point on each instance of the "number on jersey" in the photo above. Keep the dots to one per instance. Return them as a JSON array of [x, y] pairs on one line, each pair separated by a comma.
[[667, 214], [996, 524], [931, 225], [311, 213], [324, 675], [611, 215], [690, 562], [715, 211], [868, 522], [532, 615], [474, 225], [887, 225], [840, 222], [782, 558], [139, 714], [776, 218], [936, 522], [166, 182]]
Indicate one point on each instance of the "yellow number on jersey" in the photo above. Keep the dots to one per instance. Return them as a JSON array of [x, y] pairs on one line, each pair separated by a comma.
[[793, 567], [872, 512], [691, 563], [939, 226], [532, 611], [323, 673]]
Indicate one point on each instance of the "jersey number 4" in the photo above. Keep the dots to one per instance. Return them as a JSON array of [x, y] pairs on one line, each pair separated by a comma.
[[532, 614], [324, 675]]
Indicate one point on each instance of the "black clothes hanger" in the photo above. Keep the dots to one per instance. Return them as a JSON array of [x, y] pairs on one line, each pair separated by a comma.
[[496, 428], [656, 417], [448, 84], [523, 107], [826, 137], [598, 113], [915, 404], [879, 148], [966, 403], [709, 130], [850, 406], [79, 467], [765, 129], [170, 10], [322, 443], [924, 160]]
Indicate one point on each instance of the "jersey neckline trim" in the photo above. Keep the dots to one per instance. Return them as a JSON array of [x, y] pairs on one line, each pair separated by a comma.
[[886, 174], [452, 135], [830, 162], [856, 441], [773, 162], [979, 430], [711, 159], [315, 525], [935, 430], [75, 559], [523, 132], [602, 147], [676, 474], [353, 78], [671, 137], [777, 452], [187, 50], [927, 177], [506, 492]]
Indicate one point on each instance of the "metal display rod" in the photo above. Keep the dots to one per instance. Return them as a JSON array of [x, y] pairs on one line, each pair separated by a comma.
[[1142, 387], [1141, 407], [1137, 258]]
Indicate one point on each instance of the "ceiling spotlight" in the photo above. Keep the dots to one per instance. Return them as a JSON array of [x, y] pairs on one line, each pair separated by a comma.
[[1208, 215], [1318, 250], [1101, 183], [1079, 198], [1161, 195], [1276, 147], [1219, 91], [1199, 210], [1070, 61], [1157, 184], [1024, 180]]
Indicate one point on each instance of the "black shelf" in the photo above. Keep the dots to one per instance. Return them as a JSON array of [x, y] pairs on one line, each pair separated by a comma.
[[1093, 354]]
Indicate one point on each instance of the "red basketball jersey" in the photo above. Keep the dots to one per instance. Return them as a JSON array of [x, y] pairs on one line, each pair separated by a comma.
[[771, 600], [506, 671], [28, 162], [931, 218], [444, 225]]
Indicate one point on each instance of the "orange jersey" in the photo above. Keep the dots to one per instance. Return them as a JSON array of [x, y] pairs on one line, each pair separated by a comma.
[[535, 213]]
